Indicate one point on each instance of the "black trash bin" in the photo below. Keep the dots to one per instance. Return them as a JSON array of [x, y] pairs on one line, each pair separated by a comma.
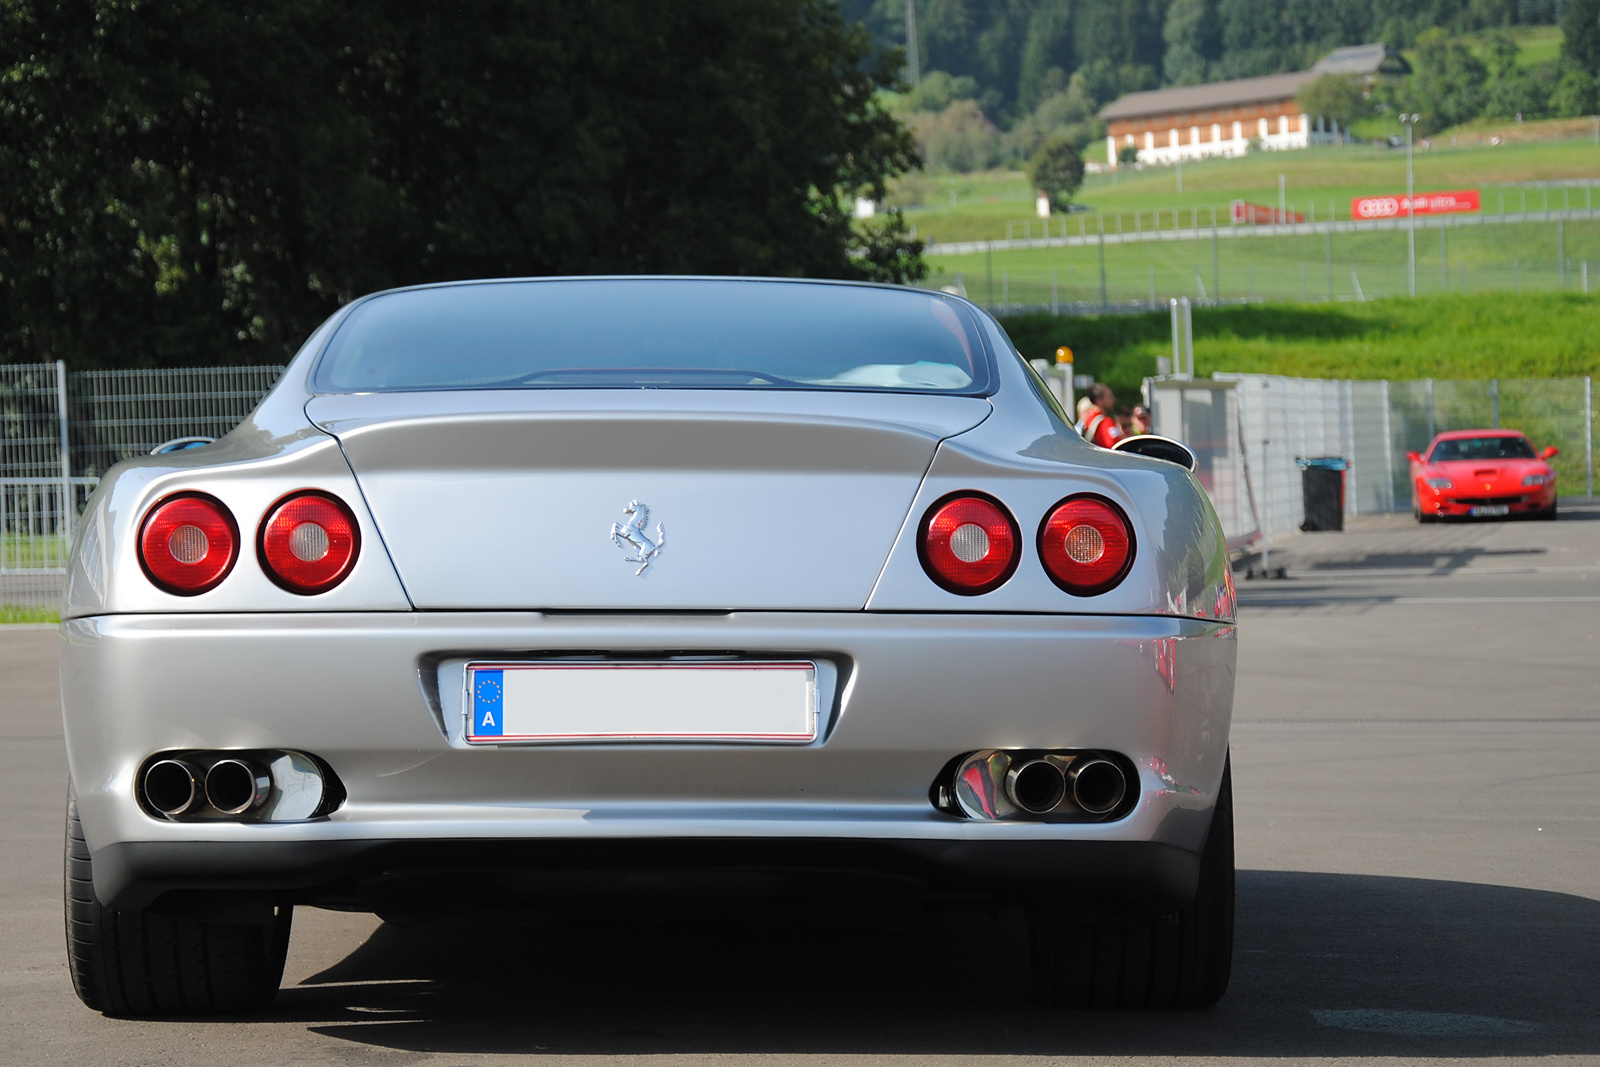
[[1322, 481]]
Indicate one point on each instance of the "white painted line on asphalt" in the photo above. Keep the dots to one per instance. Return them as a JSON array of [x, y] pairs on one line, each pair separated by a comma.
[[1422, 1023]]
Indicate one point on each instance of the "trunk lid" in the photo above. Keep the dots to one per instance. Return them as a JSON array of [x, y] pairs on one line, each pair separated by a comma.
[[517, 499]]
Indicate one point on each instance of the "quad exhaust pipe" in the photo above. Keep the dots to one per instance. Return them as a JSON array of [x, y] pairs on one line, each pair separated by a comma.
[[1038, 786], [1064, 785], [258, 785]]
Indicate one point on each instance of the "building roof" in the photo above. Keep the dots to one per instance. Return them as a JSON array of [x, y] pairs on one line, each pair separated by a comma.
[[1363, 59], [1208, 97]]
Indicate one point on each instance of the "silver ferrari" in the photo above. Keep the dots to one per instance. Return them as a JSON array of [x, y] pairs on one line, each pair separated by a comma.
[[514, 589]]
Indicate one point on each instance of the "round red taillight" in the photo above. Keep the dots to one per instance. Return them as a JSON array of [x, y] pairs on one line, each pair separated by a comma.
[[968, 544], [1086, 544], [188, 543], [309, 542]]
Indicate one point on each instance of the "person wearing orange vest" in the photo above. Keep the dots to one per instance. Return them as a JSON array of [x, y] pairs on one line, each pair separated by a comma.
[[1100, 426]]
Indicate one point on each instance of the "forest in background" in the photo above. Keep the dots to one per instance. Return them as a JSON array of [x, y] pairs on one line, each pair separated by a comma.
[[1001, 77]]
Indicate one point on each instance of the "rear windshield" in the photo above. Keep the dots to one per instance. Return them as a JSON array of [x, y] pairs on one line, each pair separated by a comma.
[[1482, 448], [656, 333]]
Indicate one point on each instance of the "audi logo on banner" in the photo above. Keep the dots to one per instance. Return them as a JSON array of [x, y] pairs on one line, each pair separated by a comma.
[[1388, 207]]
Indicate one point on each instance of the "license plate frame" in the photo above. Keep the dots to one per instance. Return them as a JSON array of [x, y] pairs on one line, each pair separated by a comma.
[[1491, 511], [555, 702]]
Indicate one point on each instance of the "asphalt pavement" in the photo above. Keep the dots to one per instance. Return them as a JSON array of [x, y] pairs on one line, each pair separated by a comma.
[[1416, 755]]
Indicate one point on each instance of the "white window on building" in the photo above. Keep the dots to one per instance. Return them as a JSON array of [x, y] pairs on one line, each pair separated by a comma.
[[1283, 125], [1216, 131], [1238, 131], [1172, 138], [1149, 141], [1305, 124], [1262, 125]]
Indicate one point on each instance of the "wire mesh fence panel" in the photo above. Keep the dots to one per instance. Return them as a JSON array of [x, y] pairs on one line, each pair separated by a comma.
[[118, 414], [1205, 416], [1374, 426], [30, 421], [109, 416]]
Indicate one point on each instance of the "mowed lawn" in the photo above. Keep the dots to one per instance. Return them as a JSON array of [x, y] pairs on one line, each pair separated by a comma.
[[1485, 335], [1320, 179]]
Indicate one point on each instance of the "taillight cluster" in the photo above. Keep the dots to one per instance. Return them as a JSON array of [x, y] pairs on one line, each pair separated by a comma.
[[307, 543], [970, 544]]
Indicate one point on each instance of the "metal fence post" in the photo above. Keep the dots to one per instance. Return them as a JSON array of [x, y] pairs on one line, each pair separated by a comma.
[[1494, 396], [1588, 434], [1188, 334], [64, 523], [1388, 451], [1561, 251], [1431, 430], [1177, 340]]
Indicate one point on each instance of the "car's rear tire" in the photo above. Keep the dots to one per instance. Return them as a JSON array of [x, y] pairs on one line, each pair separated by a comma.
[[135, 963], [1182, 960]]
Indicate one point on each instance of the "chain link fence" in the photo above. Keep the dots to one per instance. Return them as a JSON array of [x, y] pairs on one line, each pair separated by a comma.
[[60, 430], [1248, 432]]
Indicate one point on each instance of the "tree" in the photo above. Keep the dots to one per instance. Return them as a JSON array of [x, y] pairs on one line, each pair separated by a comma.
[[1580, 30], [199, 181], [1574, 94], [1193, 34], [1056, 170], [1447, 87], [1339, 98]]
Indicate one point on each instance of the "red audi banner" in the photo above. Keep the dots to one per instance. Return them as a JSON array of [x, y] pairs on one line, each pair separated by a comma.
[[1387, 207]]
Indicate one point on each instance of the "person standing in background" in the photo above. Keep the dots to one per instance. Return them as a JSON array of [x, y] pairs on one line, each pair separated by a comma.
[[1100, 425]]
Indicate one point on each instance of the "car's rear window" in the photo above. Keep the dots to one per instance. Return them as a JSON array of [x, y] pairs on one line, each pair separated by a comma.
[[1469, 448], [656, 333]]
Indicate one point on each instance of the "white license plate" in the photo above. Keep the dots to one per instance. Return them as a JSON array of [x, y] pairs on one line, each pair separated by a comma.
[[1491, 509], [772, 703]]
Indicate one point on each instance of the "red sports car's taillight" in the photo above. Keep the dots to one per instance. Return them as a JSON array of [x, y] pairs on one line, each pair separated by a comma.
[[188, 543], [309, 542], [968, 544], [1086, 544]]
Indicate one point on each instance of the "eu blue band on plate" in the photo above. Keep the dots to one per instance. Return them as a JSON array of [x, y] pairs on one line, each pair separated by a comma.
[[488, 707]]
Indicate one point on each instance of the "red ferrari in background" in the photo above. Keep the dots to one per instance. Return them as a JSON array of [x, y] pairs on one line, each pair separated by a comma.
[[1483, 473]]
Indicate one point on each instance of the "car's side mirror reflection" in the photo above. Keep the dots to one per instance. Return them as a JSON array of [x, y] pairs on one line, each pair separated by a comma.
[[1550, 452], [1415, 457]]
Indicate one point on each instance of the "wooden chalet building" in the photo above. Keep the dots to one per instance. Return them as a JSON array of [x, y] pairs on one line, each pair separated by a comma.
[[1221, 118]]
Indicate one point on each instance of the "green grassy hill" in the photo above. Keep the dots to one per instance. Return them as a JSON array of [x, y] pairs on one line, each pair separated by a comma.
[[1504, 335], [974, 207]]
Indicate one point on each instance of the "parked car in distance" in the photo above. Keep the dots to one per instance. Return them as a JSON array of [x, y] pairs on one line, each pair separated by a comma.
[[530, 595], [1482, 474]]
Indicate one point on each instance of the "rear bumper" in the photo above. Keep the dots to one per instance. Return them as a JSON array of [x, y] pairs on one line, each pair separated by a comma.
[[363, 692], [401, 877]]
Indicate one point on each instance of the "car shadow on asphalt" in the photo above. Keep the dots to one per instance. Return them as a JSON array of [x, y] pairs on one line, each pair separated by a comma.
[[1325, 965]]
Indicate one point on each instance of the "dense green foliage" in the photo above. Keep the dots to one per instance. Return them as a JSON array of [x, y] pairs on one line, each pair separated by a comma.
[[1341, 98], [1020, 52], [202, 181], [1484, 335], [1056, 170]]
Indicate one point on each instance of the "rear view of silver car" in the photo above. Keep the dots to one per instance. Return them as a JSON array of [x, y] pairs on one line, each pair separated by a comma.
[[512, 589]]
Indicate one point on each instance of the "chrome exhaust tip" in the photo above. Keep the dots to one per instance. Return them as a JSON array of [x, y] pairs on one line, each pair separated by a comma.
[[171, 786], [1036, 786], [234, 787], [1098, 785]]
